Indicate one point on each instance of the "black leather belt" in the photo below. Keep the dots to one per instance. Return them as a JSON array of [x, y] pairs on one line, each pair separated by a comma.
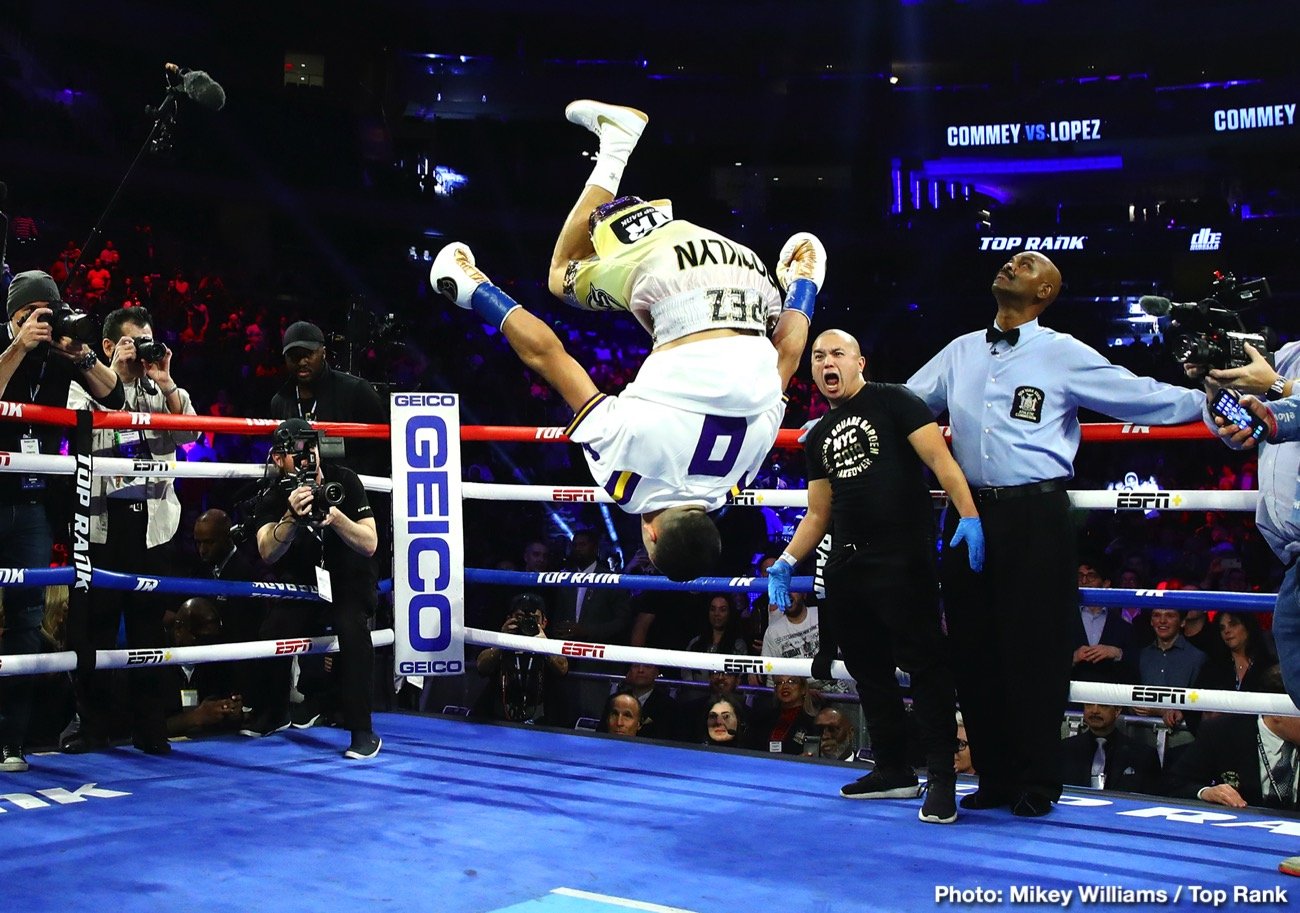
[[1007, 492]]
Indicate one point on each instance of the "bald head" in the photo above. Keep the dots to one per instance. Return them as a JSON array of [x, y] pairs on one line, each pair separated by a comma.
[[828, 338], [1026, 283], [212, 536]]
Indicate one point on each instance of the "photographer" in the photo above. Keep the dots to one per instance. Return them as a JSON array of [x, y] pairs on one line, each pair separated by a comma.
[[523, 687], [317, 524], [133, 520], [36, 366]]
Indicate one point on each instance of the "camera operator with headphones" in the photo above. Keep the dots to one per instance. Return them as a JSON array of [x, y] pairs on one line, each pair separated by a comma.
[[315, 522], [133, 520]]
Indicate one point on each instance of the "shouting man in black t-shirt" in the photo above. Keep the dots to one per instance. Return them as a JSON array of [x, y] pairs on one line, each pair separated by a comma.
[[320, 531], [865, 473]]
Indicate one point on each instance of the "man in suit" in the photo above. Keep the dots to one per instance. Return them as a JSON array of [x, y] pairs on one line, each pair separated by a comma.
[[1103, 757], [1240, 760], [1102, 638], [587, 613]]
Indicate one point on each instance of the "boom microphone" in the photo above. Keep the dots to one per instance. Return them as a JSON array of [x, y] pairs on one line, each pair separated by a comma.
[[205, 90], [1155, 305]]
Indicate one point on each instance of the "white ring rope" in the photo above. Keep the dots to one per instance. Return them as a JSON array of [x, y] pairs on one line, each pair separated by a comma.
[[1156, 697]]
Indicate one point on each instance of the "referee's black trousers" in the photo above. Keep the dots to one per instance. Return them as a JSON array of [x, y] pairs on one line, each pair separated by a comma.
[[884, 613], [1008, 631]]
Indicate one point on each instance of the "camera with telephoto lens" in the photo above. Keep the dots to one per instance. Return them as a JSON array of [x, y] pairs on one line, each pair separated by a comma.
[[76, 325], [323, 497], [146, 349], [1218, 337], [526, 625]]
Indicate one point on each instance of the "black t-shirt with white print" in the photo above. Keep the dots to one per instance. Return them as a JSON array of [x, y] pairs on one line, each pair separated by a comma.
[[878, 483]]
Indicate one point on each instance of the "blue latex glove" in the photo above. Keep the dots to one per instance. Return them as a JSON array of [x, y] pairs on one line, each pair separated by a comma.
[[970, 531], [778, 584], [806, 427]]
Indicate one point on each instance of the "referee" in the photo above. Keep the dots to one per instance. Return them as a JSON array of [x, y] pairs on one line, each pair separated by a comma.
[[1012, 394]]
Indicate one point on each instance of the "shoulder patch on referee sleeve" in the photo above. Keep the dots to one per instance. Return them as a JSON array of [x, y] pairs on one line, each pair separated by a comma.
[[1027, 404]]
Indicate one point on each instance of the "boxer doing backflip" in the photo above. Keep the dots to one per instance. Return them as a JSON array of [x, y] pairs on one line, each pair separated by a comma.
[[707, 403]]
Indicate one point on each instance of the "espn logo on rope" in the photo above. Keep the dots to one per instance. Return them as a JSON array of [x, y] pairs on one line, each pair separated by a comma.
[[573, 648], [1159, 694], [289, 647], [428, 554], [744, 666], [565, 495], [1143, 500], [146, 657]]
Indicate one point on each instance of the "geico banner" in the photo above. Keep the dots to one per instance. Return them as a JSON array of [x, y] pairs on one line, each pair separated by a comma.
[[428, 546]]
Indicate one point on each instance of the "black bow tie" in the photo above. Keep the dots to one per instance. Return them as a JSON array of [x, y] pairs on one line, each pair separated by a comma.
[[993, 336]]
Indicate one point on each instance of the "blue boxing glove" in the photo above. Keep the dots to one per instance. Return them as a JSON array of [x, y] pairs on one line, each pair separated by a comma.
[[778, 582], [970, 531]]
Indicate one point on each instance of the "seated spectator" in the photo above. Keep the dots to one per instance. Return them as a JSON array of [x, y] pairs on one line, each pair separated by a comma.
[[693, 715], [839, 738], [727, 723], [1104, 757], [720, 633], [783, 727], [1168, 660], [622, 715], [961, 761], [658, 708], [201, 697], [596, 615], [1101, 635], [1239, 760], [523, 687], [1249, 656]]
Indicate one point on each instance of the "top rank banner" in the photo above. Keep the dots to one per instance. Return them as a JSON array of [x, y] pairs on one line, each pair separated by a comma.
[[428, 545]]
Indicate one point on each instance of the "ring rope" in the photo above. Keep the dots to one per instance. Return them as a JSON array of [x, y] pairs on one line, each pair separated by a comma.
[[1102, 499], [788, 438]]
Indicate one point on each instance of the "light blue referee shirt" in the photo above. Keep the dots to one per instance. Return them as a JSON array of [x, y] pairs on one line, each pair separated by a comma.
[[1014, 409], [1277, 516]]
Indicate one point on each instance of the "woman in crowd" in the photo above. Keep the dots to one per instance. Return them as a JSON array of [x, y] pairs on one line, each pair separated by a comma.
[[720, 633]]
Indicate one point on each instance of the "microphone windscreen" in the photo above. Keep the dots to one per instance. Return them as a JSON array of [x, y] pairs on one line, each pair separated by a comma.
[[1154, 305], [203, 89]]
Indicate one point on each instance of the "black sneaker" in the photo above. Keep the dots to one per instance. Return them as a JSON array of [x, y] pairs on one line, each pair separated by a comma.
[[1032, 805], [364, 745], [12, 760], [304, 715], [940, 805], [883, 783], [264, 724]]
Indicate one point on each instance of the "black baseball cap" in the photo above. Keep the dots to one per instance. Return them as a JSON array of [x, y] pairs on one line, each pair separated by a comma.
[[303, 335], [290, 430], [31, 286]]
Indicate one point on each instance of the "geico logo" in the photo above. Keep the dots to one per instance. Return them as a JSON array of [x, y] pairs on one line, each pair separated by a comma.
[[430, 667], [12, 574], [145, 657], [1160, 695], [548, 434], [572, 494], [149, 466], [424, 399], [432, 554], [571, 648], [742, 665], [301, 645], [1141, 500]]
